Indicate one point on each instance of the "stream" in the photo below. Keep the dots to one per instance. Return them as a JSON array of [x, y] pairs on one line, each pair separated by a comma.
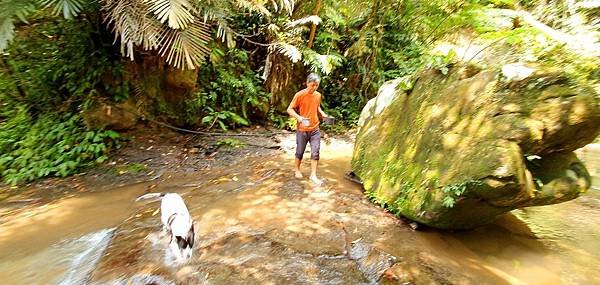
[[255, 223]]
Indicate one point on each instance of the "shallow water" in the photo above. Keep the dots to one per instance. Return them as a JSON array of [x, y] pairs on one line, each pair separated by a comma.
[[256, 224]]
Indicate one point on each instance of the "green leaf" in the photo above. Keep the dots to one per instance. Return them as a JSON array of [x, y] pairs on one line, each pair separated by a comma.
[[207, 119], [112, 134], [239, 120], [223, 126], [448, 202]]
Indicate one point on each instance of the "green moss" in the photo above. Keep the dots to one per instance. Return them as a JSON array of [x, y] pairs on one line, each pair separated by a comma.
[[450, 155], [130, 168]]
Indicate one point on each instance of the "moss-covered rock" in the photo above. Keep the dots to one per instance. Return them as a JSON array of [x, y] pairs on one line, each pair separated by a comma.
[[116, 116], [465, 147]]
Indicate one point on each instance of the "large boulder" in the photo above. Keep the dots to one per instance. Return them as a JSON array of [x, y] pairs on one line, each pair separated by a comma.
[[468, 146]]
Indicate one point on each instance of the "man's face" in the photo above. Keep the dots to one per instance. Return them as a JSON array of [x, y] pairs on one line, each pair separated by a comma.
[[312, 86]]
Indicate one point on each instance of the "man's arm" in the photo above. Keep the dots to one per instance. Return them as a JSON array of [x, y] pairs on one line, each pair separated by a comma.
[[290, 108], [322, 113]]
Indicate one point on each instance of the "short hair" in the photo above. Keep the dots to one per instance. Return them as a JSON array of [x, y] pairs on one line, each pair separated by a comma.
[[313, 77]]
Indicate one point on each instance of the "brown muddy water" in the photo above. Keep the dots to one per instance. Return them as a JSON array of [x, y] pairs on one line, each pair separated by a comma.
[[257, 224]]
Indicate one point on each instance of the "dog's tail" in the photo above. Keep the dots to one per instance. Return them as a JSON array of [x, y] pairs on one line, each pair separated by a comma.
[[150, 196]]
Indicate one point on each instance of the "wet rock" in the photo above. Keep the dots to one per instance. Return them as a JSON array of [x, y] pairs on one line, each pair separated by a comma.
[[464, 148], [140, 280], [371, 261]]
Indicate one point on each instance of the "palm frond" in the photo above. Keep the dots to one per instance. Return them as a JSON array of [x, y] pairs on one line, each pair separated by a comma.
[[134, 26], [289, 50], [225, 33], [313, 19], [216, 13], [177, 13], [11, 10], [68, 8], [131, 25], [7, 32], [323, 63], [186, 48], [253, 6], [287, 5]]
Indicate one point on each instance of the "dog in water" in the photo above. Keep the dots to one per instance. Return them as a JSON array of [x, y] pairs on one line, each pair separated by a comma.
[[177, 222]]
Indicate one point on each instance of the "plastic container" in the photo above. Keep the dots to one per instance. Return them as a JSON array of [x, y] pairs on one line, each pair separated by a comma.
[[329, 121], [306, 122]]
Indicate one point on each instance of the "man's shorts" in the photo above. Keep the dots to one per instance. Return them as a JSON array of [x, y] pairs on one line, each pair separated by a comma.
[[302, 138]]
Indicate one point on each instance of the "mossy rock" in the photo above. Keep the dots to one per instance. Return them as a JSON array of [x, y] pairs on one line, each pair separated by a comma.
[[108, 115], [458, 151]]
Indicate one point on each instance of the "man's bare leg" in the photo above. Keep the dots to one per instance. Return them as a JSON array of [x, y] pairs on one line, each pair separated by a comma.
[[297, 172], [313, 172]]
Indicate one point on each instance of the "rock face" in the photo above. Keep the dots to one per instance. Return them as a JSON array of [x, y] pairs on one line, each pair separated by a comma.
[[466, 147], [117, 116]]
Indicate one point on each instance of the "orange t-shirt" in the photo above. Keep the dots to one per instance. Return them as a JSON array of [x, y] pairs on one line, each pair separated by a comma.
[[307, 106]]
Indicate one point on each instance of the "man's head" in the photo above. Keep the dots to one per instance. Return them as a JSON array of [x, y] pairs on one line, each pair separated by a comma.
[[312, 82]]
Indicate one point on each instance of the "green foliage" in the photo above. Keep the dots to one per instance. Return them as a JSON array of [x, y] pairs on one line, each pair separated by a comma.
[[230, 92], [454, 191], [529, 44], [322, 63], [441, 60], [223, 118], [49, 146], [58, 62], [377, 41], [178, 29], [282, 121], [47, 75]]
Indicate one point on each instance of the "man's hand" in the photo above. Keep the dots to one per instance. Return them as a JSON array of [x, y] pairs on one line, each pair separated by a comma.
[[323, 115]]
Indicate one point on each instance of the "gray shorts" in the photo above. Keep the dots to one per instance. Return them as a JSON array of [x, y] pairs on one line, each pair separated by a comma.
[[302, 138]]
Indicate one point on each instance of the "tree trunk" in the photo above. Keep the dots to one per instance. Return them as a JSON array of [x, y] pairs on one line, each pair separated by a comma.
[[313, 28]]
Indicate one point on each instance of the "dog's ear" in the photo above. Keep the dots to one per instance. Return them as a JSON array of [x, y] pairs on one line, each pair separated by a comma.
[[190, 236], [181, 242]]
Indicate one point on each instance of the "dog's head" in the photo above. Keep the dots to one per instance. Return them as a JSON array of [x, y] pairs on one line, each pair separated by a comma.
[[183, 236]]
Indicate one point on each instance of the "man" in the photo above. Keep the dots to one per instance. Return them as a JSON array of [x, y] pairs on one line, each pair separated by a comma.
[[306, 108]]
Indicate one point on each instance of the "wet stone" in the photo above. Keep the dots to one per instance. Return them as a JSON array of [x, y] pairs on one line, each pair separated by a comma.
[[291, 190]]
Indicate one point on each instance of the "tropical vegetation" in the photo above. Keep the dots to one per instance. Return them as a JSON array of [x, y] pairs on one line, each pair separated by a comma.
[[241, 60]]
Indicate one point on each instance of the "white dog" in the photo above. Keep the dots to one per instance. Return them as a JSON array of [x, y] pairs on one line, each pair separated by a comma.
[[177, 222]]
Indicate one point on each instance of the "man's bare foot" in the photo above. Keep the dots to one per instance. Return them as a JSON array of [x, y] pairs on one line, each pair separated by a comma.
[[298, 174], [315, 180]]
